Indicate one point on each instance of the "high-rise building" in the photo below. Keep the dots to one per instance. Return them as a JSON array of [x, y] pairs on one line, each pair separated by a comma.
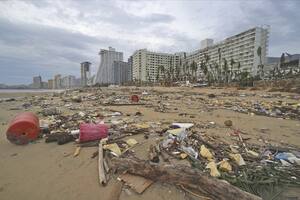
[[44, 85], [37, 82], [68, 81], [241, 50], [57, 82], [130, 68], [121, 72], [149, 66], [206, 43], [105, 73], [85, 73], [50, 84]]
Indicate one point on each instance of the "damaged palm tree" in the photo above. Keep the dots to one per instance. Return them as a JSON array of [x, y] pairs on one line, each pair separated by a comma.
[[184, 176]]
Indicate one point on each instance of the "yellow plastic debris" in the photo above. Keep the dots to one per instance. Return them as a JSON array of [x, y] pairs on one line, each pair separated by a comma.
[[204, 152], [183, 155], [225, 166], [238, 159], [175, 131], [131, 142], [114, 148], [213, 169], [142, 126], [233, 149]]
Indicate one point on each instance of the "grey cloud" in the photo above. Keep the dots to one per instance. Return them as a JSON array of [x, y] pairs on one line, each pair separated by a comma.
[[108, 12], [24, 34], [27, 49], [24, 47], [158, 17], [282, 16]]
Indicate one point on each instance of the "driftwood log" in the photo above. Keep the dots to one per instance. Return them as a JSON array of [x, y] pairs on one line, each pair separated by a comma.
[[183, 175], [101, 169]]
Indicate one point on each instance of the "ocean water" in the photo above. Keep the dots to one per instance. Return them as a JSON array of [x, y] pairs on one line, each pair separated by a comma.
[[28, 90]]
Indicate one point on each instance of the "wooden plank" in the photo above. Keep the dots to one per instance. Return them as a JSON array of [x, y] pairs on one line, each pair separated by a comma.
[[116, 191], [101, 170], [137, 183]]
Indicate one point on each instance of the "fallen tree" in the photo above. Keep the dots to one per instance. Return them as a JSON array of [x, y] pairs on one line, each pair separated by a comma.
[[184, 176]]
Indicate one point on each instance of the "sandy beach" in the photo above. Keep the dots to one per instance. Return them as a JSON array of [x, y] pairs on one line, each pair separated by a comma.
[[49, 171]]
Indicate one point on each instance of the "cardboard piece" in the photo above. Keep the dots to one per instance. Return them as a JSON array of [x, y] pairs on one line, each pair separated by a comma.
[[137, 183]]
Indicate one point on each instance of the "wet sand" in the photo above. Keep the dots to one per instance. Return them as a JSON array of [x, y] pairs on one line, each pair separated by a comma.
[[49, 171]]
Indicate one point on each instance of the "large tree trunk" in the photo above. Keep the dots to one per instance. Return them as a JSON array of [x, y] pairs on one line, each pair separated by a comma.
[[183, 175]]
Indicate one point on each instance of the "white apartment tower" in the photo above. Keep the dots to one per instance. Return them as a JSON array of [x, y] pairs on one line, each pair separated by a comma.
[[105, 74], [85, 73], [121, 72], [145, 64], [68, 81], [241, 48], [206, 43], [57, 81]]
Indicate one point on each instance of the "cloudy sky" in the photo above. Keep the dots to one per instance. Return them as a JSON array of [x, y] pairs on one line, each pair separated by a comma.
[[48, 37]]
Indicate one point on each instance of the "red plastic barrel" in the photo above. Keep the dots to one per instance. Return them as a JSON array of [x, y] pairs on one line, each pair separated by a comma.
[[135, 98], [23, 128], [90, 132]]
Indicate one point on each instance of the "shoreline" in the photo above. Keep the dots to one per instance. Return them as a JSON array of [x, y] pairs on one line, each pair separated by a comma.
[[30, 90], [18, 93]]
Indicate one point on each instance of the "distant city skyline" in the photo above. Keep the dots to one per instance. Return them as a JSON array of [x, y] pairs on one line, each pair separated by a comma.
[[53, 37]]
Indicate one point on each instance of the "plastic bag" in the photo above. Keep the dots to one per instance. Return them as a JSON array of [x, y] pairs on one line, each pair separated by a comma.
[[225, 166], [204, 152], [213, 169], [190, 151], [238, 159]]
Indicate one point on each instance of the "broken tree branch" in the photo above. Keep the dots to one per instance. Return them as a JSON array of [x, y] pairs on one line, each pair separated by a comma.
[[198, 137], [101, 169]]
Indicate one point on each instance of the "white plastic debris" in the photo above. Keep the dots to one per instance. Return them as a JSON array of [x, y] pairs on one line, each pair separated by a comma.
[[183, 125], [81, 114], [190, 151], [75, 132]]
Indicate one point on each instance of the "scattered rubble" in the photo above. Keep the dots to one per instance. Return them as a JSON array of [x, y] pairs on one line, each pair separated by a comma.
[[86, 119]]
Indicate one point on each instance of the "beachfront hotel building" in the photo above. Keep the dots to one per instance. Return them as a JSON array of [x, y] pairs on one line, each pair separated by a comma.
[[57, 81], [105, 74], [37, 82], [50, 84], [121, 72], [85, 71], [68, 81], [241, 48], [145, 64]]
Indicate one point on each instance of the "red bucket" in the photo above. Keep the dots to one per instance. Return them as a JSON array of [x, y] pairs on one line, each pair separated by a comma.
[[135, 98], [23, 128], [90, 132]]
